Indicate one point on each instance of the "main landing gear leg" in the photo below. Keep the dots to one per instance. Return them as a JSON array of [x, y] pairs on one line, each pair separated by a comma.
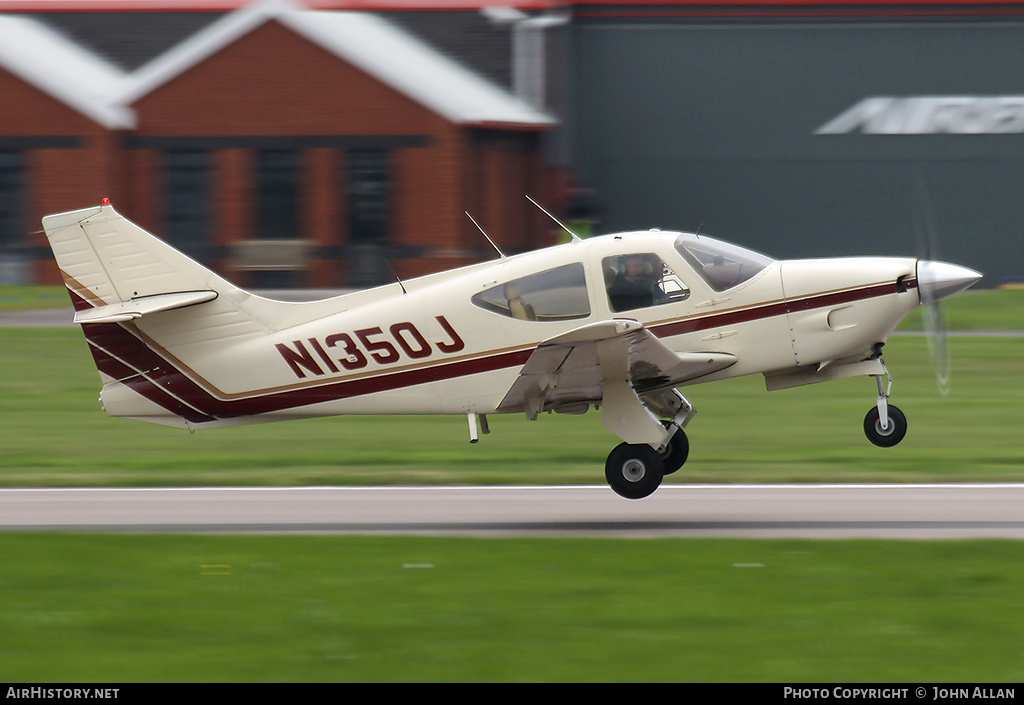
[[676, 449], [635, 470], [885, 425]]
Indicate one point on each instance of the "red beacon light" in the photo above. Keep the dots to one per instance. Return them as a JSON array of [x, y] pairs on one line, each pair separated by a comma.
[[106, 201]]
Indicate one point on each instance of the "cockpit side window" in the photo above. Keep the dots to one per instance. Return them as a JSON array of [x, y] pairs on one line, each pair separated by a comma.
[[557, 294], [721, 264], [640, 280]]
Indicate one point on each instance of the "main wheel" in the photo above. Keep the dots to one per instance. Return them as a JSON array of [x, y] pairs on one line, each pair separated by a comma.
[[675, 453], [634, 471], [885, 437]]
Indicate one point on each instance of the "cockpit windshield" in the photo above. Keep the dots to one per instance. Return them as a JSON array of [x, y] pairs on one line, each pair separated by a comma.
[[721, 264]]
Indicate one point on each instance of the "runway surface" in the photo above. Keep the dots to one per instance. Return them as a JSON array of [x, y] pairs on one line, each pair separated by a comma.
[[802, 511]]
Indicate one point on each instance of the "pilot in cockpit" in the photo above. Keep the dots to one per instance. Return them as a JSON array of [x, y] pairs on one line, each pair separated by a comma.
[[634, 285]]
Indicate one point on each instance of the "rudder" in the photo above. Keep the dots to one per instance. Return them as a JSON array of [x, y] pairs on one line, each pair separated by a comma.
[[160, 326], [106, 260]]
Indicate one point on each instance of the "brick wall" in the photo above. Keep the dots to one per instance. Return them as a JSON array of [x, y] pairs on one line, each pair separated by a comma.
[[69, 161], [274, 83]]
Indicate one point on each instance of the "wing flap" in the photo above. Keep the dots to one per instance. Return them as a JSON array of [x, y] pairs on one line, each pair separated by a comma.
[[579, 366]]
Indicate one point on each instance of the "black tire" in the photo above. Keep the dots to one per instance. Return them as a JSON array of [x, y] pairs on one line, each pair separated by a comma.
[[676, 452], [633, 471], [885, 438]]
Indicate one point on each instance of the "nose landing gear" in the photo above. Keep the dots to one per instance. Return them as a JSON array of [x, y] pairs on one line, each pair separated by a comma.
[[885, 425]]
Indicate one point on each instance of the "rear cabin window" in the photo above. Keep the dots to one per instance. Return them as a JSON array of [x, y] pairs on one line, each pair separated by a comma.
[[558, 294]]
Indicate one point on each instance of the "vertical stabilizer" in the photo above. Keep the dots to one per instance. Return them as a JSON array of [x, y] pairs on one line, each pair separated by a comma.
[[165, 332], [106, 259]]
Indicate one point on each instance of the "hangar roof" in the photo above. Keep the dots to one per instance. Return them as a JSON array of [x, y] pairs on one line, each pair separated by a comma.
[[369, 42], [53, 57], [62, 69]]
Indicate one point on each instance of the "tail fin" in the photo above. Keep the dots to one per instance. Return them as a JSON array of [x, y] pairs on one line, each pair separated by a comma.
[[153, 316], [114, 270]]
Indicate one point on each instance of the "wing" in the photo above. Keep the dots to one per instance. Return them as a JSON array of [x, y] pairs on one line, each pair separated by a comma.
[[612, 363]]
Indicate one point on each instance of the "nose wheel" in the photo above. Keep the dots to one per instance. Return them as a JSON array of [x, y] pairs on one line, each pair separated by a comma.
[[889, 433], [885, 425]]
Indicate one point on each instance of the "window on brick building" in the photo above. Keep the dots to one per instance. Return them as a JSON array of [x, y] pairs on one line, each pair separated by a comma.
[[369, 195], [187, 201], [12, 192], [279, 177], [279, 185], [368, 184]]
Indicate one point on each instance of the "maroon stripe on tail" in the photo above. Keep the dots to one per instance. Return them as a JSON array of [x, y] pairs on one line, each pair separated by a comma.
[[120, 354], [133, 366]]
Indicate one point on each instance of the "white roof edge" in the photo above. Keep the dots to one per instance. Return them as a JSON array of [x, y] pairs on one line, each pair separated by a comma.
[[374, 45], [62, 69], [198, 47], [102, 92], [414, 68]]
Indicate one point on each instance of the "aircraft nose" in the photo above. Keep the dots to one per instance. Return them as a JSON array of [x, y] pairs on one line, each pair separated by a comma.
[[940, 280]]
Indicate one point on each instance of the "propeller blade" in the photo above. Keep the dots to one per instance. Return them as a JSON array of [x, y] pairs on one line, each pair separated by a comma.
[[928, 251], [938, 345], [937, 281]]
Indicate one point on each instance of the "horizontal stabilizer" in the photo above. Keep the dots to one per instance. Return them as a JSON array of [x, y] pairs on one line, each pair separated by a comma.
[[137, 308]]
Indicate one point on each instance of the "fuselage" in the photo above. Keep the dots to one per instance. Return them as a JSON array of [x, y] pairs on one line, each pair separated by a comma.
[[454, 343], [619, 321]]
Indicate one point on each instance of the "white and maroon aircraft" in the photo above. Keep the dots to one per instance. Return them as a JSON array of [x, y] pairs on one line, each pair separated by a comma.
[[616, 322]]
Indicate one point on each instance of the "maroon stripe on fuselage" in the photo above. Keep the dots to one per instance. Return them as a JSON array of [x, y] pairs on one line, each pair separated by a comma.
[[715, 320], [843, 297], [158, 372], [123, 355], [779, 308]]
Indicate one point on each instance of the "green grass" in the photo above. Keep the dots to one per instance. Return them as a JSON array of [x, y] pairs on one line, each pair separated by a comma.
[[130, 608], [54, 432], [30, 298], [178, 608], [983, 310]]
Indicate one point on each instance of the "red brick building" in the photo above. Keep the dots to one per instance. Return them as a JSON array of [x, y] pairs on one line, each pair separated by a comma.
[[58, 132], [281, 145]]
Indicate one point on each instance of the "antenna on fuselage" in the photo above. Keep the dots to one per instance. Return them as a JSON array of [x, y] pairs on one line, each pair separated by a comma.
[[392, 270], [484, 233], [575, 237]]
